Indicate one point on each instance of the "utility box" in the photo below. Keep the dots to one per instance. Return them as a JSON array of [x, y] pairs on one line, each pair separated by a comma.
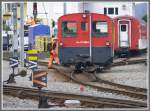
[[41, 43], [38, 36]]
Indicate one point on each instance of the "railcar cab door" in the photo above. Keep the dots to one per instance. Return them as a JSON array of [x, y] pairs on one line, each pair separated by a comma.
[[124, 34], [84, 32]]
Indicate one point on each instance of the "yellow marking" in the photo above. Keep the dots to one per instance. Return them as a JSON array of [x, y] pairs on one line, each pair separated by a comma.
[[32, 52], [32, 58]]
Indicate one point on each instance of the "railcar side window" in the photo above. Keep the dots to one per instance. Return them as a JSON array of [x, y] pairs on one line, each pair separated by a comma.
[[69, 29], [99, 29]]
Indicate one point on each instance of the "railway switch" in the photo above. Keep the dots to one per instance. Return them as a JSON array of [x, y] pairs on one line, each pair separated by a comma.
[[13, 64]]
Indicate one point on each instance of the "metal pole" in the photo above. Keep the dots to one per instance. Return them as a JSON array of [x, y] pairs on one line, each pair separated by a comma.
[[83, 7], [90, 17], [64, 8], [22, 34], [133, 9], [15, 38]]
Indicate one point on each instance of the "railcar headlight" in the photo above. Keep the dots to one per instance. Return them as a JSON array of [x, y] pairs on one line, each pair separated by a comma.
[[84, 15], [61, 44], [107, 43]]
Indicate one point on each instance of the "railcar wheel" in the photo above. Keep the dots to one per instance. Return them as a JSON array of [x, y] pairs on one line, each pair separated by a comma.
[[79, 67], [99, 69]]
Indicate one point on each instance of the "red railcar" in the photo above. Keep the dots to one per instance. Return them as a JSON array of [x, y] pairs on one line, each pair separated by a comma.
[[127, 35], [143, 38], [85, 37]]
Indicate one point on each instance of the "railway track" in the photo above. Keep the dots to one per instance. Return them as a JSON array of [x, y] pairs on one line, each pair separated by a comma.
[[129, 62], [131, 88], [88, 101], [115, 63], [103, 85]]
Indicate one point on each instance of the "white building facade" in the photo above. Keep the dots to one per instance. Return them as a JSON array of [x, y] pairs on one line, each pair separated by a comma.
[[111, 9], [53, 10], [56, 9]]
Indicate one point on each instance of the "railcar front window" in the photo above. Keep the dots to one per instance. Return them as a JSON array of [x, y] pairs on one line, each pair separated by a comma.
[[84, 26], [69, 29], [99, 29]]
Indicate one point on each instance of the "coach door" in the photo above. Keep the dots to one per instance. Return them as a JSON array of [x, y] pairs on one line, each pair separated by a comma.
[[124, 34]]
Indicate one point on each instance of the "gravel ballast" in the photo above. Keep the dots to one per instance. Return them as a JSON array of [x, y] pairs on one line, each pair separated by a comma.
[[14, 102], [11, 103], [132, 75]]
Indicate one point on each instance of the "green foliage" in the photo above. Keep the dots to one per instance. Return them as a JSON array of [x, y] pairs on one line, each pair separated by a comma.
[[53, 23], [144, 18]]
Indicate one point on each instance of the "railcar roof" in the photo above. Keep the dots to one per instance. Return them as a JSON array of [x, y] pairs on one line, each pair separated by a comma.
[[125, 17], [74, 14]]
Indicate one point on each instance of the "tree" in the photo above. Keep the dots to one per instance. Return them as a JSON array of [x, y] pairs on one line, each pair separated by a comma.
[[53, 23], [144, 18]]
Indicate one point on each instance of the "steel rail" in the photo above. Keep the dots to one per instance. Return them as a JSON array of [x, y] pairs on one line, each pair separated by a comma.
[[133, 94], [116, 103], [119, 63], [128, 62], [126, 87]]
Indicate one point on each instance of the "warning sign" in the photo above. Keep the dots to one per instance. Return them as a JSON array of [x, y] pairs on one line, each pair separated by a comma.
[[32, 55], [13, 62], [39, 79]]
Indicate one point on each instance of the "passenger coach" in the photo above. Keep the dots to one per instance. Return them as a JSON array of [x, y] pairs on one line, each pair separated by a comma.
[[85, 37], [129, 35]]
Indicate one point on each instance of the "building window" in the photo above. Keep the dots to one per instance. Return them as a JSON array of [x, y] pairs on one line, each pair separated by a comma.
[[69, 29], [84, 26], [99, 29], [110, 11], [105, 11], [116, 11]]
